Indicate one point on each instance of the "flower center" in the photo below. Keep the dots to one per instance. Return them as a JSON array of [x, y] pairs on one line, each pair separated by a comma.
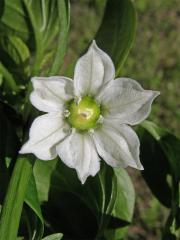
[[83, 115]]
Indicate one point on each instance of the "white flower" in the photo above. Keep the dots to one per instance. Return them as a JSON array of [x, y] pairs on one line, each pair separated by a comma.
[[88, 118]]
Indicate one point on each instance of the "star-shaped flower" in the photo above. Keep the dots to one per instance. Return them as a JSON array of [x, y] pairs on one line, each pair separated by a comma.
[[88, 118]]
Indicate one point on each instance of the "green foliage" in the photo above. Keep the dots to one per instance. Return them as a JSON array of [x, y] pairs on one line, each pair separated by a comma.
[[117, 30], [103, 202], [32, 201], [115, 34], [33, 41], [13, 202], [56, 236], [28, 31], [161, 159]]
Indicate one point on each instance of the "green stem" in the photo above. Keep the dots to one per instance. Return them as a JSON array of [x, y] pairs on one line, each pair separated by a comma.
[[12, 207]]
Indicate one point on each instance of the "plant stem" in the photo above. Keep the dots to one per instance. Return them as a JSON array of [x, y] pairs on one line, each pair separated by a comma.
[[12, 207]]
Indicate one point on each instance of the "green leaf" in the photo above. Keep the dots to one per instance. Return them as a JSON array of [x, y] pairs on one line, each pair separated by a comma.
[[32, 201], [64, 22], [123, 209], [9, 82], [9, 145], [15, 48], [13, 19], [99, 200], [42, 172], [15, 54], [56, 236], [125, 198], [13, 202], [160, 156], [48, 18], [38, 25], [116, 33], [118, 234]]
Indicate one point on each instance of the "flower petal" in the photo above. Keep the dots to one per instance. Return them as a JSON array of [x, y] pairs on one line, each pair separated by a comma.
[[50, 93], [78, 151], [92, 70], [109, 70], [126, 101], [46, 131], [118, 146]]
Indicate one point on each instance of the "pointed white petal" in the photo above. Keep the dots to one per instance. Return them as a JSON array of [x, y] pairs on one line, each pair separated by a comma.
[[109, 70], [50, 93], [78, 151], [46, 131], [127, 101], [92, 71], [118, 146]]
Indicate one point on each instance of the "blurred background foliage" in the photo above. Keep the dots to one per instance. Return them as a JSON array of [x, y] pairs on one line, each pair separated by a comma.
[[154, 61]]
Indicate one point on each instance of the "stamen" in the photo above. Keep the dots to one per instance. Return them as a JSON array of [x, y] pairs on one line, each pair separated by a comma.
[[101, 119], [77, 100], [67, 130], [91, 131], [66, 113]]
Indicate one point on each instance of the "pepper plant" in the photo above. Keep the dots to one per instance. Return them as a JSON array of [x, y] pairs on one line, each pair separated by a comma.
[[45, 199]]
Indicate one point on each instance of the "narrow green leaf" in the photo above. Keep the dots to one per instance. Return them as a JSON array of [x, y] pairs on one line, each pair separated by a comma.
[[116, 33], [34, 21], [15, 48], [13, 19], [64, 21], [15, 55], [56, 236], [9, 80], [47, 20], [14, 199]]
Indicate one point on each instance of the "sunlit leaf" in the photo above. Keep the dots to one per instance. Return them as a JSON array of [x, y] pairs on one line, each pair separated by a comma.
[[56, 236], [15, 194], [123, 208]]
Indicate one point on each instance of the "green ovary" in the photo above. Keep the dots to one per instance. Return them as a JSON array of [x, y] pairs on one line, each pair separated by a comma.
[[84, 114]]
